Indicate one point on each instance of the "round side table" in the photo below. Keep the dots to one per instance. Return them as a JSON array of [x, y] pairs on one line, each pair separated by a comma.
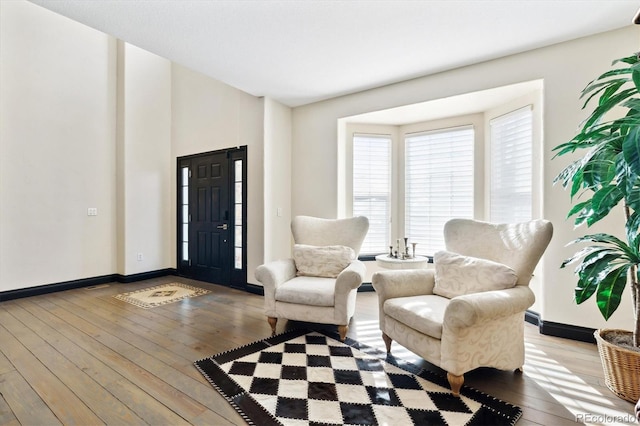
[[387, 262]]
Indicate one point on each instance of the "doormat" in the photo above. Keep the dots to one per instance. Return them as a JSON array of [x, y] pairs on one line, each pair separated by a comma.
[[305, 378], [160, 295]]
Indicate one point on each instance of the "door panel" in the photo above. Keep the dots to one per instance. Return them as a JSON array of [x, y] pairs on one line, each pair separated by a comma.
[[212, 217], [210, 248]]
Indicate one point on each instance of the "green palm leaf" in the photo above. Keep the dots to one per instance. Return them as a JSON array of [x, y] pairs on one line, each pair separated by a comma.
[[591, 276], [606, 199], [627, 60], [635, 74], [604, 108], [631, 148], [609, 292]]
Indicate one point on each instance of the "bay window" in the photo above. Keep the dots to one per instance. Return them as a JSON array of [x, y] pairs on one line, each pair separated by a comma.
[[410, 182]]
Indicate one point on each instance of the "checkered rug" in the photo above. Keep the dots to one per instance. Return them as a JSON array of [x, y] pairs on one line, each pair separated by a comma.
[[307, 378], [160, 295]]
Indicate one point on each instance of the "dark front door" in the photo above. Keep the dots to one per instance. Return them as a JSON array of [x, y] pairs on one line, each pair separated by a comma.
[[212, 217]]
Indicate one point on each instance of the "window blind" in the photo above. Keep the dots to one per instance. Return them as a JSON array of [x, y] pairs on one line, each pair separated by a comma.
[[372, 189], [438, 184], [510, 196]]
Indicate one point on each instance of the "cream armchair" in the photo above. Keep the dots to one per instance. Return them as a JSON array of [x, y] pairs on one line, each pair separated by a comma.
[[321, 281], [468, 311]]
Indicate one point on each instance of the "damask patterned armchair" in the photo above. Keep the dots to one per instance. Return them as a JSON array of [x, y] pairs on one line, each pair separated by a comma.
[[320, 283], [468, 311]]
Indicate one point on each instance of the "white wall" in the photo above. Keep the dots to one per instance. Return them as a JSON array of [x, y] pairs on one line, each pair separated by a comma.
[[209, 115], [565, 68], [57, 156], [144, 160], [277, 180], [87, 121]]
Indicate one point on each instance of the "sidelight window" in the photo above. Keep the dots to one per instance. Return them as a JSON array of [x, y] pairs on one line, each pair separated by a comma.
[[238, 215], [185, 212]]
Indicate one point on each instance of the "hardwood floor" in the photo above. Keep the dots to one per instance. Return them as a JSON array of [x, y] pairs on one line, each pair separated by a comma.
[[83, 357]]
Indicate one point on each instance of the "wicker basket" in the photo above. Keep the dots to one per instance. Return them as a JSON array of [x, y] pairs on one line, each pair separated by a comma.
[[621, 367]]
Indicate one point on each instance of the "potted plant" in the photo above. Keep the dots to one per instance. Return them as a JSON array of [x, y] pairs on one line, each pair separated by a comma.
[[606, 177]]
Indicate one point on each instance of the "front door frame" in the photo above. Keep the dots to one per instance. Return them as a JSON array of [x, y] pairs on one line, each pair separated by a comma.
[[237, 262]]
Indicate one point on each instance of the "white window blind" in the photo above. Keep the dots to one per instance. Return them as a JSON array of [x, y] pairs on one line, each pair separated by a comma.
[[511, 143], [372, 189], [438, 184]]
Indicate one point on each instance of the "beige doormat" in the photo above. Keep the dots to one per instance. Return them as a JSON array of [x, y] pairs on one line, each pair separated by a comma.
[[161, 295]]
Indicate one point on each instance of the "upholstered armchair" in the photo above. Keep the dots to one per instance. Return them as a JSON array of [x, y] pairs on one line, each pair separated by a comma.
[[468, 311], [319, 284]]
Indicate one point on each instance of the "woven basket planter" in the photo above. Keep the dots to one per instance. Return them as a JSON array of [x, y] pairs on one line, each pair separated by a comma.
[[621, 367]]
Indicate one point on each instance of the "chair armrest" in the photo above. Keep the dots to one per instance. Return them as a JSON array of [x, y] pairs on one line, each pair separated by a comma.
[[469, 309], [347, 283], [272, 274], [403, 283], [351, 277]]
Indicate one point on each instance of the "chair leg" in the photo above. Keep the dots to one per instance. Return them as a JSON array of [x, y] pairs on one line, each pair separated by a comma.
[[272, 322], [456, 383], [342, 330], [387, 342]]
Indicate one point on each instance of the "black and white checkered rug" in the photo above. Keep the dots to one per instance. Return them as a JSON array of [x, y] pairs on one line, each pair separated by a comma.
[[307, 378]]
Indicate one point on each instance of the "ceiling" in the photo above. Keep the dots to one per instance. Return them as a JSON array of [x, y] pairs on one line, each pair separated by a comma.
[[459, 105], [302, 51]]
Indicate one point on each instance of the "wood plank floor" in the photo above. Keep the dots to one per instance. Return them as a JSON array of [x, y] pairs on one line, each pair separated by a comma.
[[83, 357]]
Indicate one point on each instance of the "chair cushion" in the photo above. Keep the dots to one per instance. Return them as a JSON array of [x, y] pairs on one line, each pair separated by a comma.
[[313, 291], [422, 313], [457, 275], [322, 261]]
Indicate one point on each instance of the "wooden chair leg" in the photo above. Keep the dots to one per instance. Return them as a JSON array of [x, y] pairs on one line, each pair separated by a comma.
[[387, 342], [272, 322], [456, 383], [342, 330]]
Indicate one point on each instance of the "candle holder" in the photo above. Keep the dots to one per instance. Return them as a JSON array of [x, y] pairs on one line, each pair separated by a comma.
[[405, 254], [414, 249]]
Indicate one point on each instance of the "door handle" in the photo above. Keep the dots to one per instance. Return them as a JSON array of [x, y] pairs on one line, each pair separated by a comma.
[[224, 226]]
